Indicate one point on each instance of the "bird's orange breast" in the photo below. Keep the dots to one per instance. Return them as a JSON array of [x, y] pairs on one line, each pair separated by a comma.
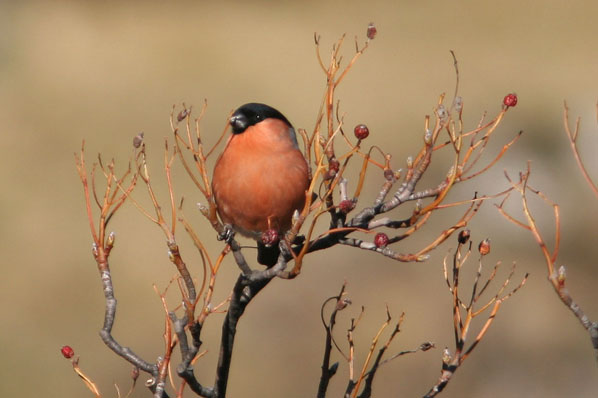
[[260, 179]]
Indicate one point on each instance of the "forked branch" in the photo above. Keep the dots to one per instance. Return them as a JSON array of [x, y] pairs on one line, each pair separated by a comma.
[[360, 385], [556, 276], [466, 310]]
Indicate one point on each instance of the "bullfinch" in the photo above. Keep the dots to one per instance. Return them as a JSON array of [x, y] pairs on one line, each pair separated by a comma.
[[261, 177]]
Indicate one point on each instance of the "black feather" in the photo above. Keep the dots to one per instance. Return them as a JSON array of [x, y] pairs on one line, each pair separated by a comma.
[[252, 113], [267, 255]]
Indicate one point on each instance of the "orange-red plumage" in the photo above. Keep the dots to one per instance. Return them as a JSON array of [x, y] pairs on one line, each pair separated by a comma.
[[261, 177]]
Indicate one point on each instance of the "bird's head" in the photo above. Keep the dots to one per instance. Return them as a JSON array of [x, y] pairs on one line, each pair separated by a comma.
[[251, 114]]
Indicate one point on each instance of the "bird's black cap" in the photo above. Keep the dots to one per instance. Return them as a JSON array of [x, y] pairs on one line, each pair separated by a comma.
[[249, 114]]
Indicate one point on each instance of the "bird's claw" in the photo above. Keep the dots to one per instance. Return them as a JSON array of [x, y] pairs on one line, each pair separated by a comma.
[[227, 233], [299, 240]]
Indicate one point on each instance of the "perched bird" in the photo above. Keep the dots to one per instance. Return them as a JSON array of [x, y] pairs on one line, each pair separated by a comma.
[[261, 177]]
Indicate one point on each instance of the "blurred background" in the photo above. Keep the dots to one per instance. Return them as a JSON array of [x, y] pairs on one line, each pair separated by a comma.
[[104, 71]]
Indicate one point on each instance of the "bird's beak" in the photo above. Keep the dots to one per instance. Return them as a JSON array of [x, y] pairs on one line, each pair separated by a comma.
[[238, 123]]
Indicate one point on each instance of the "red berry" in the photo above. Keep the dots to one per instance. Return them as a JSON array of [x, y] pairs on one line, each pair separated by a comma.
[[510, 100], [464, 236], [381, 240], [361, 131], [334, 165], [484, 247], [346, 206], [270, 237], [67, 352], [135, 373], [389, 174], [371, 31]]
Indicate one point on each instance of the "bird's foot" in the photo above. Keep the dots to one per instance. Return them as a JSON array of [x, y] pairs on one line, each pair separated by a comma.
[[227, 234], [299, 240]]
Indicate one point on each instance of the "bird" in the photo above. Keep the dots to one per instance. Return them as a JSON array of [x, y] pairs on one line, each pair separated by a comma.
[[261, 177]]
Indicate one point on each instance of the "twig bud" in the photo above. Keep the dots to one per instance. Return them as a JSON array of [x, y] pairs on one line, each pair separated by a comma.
[[446, 356], [134, 373], [423, 257], [484, 247], [418, 206], [458, 103], [409, 161], [332, 370], [138, 140], [561, 276], [67, 352], [450, 172], [426, 346], [428, 137], [182, 115], [464, 236], [441, 112], [110, 241], [203, 209], [296, 216], [343, 303]]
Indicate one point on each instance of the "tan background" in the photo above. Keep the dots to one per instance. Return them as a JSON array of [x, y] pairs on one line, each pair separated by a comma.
[[103, 72]]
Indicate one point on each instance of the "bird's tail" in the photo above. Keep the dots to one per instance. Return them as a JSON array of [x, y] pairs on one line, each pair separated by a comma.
[[267, 255]]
